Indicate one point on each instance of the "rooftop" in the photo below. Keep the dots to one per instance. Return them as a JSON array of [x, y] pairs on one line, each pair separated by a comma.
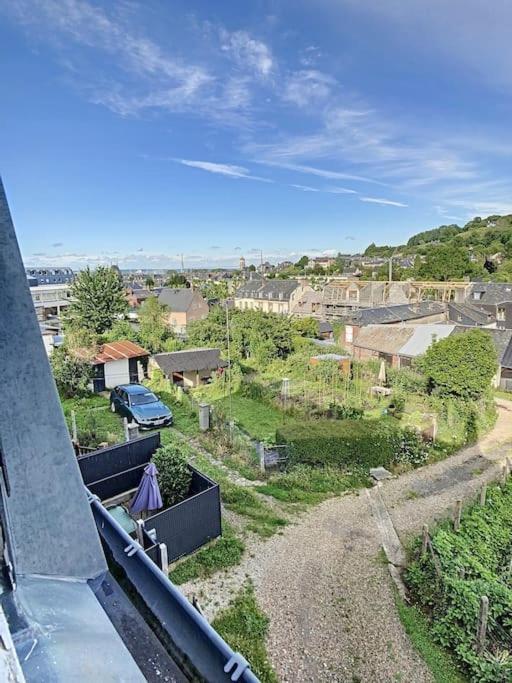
[[189, 360], [117, 351]]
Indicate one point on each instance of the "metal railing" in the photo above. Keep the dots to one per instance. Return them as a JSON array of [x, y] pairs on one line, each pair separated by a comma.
[[197, 645]]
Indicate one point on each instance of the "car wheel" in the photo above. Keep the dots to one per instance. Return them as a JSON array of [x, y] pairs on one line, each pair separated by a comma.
[[113, 407]]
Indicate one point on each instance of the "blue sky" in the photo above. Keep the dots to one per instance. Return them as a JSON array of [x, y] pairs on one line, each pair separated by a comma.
[[134, 132]]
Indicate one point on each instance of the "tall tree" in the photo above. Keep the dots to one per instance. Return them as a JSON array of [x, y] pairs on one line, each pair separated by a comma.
[[154, 329], [150, 282], [98, 299]]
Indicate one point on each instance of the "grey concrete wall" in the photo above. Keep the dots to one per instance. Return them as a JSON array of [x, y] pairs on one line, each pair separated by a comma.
[[49, 520]]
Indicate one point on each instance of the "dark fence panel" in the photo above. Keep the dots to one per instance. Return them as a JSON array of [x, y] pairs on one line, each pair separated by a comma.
[[109, 461], [117, 484], [187, 526]]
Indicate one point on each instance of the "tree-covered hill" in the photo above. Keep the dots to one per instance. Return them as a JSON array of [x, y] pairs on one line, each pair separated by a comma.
[[482, 248]]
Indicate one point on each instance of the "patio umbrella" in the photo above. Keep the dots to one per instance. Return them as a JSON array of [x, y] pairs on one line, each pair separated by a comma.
[[382, 373], [147, 496]]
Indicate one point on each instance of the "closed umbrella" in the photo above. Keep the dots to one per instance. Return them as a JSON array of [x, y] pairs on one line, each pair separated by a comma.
[[147, 496], [382, 373]]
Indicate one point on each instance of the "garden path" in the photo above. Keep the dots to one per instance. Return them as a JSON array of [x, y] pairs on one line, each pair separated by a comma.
[[329, 596]]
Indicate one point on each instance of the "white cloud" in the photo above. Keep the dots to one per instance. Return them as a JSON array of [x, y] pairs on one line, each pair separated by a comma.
[[378, 200], [339, 190], [305, 188], [308, 87], [320, 172], [230, 170], [249, 53]]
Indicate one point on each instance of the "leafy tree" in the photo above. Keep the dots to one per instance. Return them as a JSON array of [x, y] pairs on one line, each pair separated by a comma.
[[252, 268], [445, 262], [306, 327], [121, 330], [72, 373], [174, 476], [98, 299], [154, 329], [177, 280], [302, 262], [461, 365], [150, 282]]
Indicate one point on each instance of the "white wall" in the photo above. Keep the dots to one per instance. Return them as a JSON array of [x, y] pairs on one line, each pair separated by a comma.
[[116, 372]]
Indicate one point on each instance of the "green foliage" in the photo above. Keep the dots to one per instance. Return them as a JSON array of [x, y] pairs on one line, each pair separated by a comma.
[[438, 660], [461, 365], [244, 627], [98, 299], [305, 327], [72, 374], [406, 380], [368, 443], [154, 330], [474, 561], [412, 450], [373, 251], [441, 234], [174, 475], [223, 553], [445, 262], [302, 262], [176, 280], [121, 330]]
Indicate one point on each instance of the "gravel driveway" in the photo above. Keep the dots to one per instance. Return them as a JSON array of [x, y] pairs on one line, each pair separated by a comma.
[[325, 587]]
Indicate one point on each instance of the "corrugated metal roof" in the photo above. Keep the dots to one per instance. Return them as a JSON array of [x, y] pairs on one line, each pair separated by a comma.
[[117, 351], [423, 336], [384, 338]]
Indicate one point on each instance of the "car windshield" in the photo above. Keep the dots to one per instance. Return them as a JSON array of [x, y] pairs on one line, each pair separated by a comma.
[[142, 399]]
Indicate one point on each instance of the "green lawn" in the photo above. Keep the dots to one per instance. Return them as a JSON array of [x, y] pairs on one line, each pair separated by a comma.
[[222, 553], [258, 419], [95, 422], [244, 627]]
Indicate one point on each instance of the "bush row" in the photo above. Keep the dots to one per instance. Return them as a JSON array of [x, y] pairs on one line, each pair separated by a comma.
[[474, 562], [368, 443]]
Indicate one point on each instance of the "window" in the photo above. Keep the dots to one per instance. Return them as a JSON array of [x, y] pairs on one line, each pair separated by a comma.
[[477, 296], [500, 315]]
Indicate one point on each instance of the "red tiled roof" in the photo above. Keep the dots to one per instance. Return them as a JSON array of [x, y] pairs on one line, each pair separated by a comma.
[[117, 351]]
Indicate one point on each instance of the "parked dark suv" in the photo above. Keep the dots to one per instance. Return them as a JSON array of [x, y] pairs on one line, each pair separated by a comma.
[[139, 404]]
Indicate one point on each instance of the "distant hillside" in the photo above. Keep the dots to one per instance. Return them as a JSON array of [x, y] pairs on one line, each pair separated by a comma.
[[484, 244]]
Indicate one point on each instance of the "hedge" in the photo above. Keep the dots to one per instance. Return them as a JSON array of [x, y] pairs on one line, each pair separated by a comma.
[[342, 442]]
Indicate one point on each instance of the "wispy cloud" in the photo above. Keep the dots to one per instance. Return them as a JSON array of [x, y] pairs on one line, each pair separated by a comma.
[[379, 200], [308, 87], [229, 170], [320, 172], [248, 52], [57, 244], [305, 188]]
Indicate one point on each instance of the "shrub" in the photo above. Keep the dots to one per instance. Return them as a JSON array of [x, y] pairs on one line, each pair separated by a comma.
[[461, 365], [406, 380], [369, 443], [72, 374], [174, 475], [344, 411], [412, 449]]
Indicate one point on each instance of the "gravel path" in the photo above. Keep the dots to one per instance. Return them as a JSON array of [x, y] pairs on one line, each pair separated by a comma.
[[327, 592]]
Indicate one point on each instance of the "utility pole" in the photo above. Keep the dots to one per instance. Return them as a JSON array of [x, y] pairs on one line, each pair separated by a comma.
[[390, 268], [228, 335], [182, 264]]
